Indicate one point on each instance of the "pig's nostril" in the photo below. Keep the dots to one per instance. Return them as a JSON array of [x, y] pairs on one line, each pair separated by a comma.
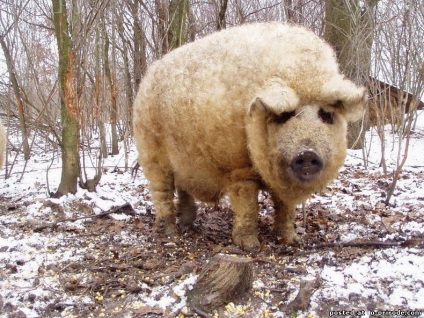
[[306, 165], [316, 162]]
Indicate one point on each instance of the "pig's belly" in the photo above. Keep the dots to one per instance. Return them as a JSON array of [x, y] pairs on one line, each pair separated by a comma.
[[201, 187], [204, 168], [201, 178]]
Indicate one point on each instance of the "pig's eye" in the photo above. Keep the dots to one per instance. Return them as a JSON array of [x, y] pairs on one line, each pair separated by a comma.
[[338, 104], [326, 117], [283, 117]]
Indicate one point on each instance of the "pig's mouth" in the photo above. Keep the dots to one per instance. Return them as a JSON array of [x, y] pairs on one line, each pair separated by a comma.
[[306, 166]]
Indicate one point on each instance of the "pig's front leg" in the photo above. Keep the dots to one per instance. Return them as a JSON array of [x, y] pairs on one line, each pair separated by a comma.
[[284, 221], [244, 202]]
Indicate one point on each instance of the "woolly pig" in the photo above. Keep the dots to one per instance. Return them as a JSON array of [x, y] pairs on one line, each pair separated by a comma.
[[259, 106]]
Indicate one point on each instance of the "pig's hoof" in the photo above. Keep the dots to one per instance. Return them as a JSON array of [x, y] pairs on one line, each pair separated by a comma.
[[288, 237], [171, 230], [186, 220], [167, 229], [248, 243], [184, 227]]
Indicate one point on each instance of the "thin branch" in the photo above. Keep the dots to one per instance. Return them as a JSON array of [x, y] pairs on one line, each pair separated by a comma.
[[117, 209], [376, 244]]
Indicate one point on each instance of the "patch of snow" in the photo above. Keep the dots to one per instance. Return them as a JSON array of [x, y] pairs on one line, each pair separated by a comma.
[[374, 276]]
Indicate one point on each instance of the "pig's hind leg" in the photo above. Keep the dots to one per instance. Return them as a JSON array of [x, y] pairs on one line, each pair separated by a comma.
[[162, 190], [186, 209]]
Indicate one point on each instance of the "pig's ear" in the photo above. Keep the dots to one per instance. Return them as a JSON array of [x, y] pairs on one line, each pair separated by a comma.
[[276, 97], [346, 98]]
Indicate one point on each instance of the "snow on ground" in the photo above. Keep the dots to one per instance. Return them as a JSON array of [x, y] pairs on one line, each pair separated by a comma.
[[392, 276], [45, 266]]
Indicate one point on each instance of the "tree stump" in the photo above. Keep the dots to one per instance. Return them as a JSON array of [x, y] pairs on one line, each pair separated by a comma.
[[224, 279]]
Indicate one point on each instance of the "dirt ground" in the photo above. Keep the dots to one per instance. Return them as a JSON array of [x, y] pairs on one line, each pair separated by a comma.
[[67, 263]]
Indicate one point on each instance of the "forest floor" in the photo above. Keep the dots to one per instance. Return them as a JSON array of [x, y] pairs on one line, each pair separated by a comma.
[[96, 254]]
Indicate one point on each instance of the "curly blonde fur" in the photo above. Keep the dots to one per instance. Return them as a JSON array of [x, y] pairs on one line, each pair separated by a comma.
[[203, 123]]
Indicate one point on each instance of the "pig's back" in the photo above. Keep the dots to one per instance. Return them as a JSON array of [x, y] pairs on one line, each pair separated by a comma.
[[217, 76]]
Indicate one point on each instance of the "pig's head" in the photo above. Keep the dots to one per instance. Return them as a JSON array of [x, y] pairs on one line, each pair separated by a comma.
[[298, 144]]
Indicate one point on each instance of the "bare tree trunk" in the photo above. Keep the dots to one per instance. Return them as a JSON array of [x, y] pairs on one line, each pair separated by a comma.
[[19, 100], [294, 11], [140, 60], [191, 25], [96, 97], [112, 90], [129, 93], [172, 24], [222, 22], [289, 10], [162, 25], [69, 113], [177, 30], [349, 29], [339, 23], [139, 56]]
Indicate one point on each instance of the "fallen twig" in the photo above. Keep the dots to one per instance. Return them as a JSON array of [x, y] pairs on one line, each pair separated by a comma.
[[295, 270], [201, 313], [111, 211], [378, 244]]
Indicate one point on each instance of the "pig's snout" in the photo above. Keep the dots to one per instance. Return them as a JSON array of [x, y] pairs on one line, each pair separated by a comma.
[[306, 165]]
